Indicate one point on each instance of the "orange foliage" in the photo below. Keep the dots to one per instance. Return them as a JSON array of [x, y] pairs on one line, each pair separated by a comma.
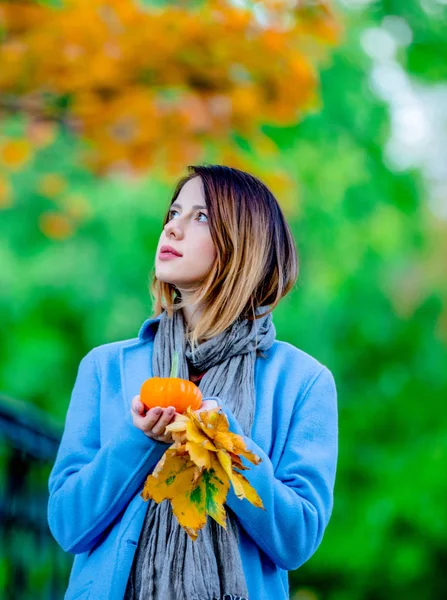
[[140, 82], [5, 193], [52, 185], [14, 153], [77, 207], [55, 225], [40, 133]]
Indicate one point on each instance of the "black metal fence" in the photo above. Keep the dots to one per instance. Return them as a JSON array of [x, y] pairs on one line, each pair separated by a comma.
[[32, 564]]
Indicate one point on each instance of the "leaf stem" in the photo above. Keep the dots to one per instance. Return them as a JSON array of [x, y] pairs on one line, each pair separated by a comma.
[[174, 365]]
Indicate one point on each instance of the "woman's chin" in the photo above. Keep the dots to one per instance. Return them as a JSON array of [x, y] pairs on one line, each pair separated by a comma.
[[164, 279]]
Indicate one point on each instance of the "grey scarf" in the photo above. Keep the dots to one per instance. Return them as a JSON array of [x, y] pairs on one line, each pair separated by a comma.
[[168, 565]]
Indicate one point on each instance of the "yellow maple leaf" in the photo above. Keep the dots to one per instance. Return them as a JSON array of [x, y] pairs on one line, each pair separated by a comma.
[[199, 455], [175, 479], [195, 472], [170, 471], [215, 425], [248, 491], [224, 440], [237, 462], [225, 461], [213, 421], [217, 490], [195, 435]]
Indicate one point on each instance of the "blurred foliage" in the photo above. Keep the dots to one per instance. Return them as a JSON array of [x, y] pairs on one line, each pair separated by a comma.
[[77, 253], [427, 19], [142, 83]]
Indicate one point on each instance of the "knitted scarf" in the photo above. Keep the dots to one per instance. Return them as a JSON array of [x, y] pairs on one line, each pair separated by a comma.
[[168, 565]]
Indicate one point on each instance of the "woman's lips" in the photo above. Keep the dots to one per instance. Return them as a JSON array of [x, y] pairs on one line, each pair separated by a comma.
[[167, 255]]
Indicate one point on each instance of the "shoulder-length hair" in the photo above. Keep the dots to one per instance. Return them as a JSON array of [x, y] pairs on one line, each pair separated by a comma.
[[256, 263]]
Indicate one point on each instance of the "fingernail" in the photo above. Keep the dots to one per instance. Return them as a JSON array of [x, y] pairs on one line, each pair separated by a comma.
[[157, 411]]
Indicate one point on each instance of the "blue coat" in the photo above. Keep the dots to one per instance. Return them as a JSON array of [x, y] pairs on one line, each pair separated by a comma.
[[95, 510]]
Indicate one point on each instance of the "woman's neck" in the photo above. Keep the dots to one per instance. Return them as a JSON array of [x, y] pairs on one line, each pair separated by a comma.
[[191, 315]]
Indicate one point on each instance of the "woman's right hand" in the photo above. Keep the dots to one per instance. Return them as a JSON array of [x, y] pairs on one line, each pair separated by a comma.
[[152, 422]]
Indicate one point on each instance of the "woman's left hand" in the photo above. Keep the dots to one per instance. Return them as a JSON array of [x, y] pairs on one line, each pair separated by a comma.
[[207, 405]]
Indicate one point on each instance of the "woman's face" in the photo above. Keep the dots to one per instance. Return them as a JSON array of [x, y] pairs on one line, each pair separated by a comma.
[[187, 231]]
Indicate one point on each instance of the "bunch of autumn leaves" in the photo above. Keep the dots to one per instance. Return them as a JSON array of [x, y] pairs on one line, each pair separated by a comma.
[[195, 472]]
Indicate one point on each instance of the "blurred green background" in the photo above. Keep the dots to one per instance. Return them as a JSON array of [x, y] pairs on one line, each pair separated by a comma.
[[361, 174]]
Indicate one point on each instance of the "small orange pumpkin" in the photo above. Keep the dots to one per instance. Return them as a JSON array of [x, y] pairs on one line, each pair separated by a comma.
[[171, 391]]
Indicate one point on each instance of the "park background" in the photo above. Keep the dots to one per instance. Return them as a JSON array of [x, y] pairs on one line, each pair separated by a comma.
[[341, 108]]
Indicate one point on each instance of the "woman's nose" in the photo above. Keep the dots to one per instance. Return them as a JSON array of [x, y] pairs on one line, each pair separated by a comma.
[[173, 228]]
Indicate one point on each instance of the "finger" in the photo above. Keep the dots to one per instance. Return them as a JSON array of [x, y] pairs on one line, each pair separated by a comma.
[[137, 405], [152, 416], [148, 420], [165, 418], [138, 408], [138, 418]]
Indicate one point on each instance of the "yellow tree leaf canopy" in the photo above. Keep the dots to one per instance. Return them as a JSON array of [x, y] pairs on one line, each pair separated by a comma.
[[131, 78]]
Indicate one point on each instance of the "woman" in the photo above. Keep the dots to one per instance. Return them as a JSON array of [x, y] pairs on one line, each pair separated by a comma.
[[232, 259]]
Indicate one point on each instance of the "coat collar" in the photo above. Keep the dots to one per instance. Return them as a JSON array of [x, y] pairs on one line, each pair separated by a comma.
[[148, 329], [136, 360]]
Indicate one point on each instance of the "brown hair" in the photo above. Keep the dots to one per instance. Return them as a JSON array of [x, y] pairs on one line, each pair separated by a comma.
[[256, 263]]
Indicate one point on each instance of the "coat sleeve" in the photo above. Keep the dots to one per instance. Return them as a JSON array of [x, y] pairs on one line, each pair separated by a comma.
[[91, 484], [298, 494]]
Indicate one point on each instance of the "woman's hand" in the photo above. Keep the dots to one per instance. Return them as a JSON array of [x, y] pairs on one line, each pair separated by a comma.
[[207, 405], [152, 422]]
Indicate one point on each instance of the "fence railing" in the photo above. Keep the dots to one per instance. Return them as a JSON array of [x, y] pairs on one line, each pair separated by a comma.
[[32, 564]]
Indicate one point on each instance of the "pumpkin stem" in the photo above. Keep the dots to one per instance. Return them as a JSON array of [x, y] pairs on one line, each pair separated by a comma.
[[174, 365]]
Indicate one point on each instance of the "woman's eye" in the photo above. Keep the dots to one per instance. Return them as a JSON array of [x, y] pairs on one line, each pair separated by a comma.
[[174, 211]]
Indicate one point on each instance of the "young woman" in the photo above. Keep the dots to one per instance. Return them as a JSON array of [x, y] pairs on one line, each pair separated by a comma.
[[225, 258]]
